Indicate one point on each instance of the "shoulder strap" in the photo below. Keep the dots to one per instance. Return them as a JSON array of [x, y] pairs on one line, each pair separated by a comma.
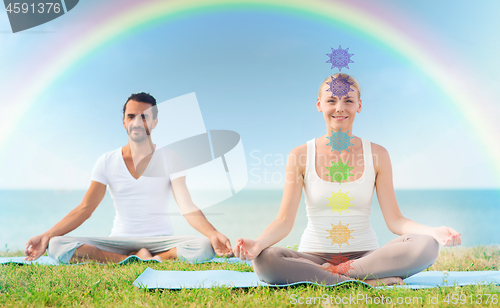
[[367, 155], [311, 154]]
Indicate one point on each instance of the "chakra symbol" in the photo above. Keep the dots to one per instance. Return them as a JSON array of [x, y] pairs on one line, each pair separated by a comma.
[[340, 265], [340, 171], [340, 234], [339, 86], [340, 58], [340, 141], [340, 202]]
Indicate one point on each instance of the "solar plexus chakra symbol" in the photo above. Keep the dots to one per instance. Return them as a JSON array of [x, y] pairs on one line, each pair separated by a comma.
[[340, 234], [340, 202], [340, 171], [340, 141], [340, 265], [339, 86], [340, 58]]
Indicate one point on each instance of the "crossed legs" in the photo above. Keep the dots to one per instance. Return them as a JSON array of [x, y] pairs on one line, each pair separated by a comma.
[[400, 258], [88, 252], [193, 249]]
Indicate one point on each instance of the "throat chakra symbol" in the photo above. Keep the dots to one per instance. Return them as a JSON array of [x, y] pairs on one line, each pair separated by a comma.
[[340, 58], [340, 265], [340, 171], [340, 234], [340, 202], [340, 141], [339, 86]]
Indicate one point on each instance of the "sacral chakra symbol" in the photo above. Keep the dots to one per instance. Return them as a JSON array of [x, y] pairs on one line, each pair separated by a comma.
[[340, 234]]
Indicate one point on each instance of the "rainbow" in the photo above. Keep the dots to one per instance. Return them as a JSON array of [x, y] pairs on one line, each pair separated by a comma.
[[377, 24]]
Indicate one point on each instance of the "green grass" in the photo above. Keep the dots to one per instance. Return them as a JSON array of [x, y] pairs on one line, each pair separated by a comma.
[[92, 285]]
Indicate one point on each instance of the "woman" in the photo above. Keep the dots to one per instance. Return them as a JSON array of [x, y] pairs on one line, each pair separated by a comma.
[[339, 172]]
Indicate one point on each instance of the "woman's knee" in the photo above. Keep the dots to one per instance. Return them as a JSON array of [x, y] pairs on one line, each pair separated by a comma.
[[267, 258], [431, 248], [426, 247]]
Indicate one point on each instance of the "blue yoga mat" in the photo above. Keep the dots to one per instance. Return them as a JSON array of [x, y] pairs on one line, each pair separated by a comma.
[[130, 259], [153, 279]]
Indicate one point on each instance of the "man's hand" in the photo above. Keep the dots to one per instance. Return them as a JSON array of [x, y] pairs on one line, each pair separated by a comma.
[[221, 244], [446, 236], [35, 247]]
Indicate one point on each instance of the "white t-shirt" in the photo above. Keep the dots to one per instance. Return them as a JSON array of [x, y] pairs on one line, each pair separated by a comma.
[[140, 204]]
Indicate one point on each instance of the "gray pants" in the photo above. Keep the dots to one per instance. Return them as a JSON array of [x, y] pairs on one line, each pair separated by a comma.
[[191, 248], [402, 257]]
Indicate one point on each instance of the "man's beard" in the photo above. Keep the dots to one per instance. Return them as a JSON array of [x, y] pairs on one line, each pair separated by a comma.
[[139, 138]]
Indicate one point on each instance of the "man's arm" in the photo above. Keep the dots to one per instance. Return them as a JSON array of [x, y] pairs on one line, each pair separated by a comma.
[[37, 245], [196, 219]]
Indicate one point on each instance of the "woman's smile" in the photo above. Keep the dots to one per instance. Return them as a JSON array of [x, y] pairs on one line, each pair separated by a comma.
[[340, 118]]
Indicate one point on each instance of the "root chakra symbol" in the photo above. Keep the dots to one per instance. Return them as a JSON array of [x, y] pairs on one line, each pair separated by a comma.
[[340, 265], [340, 58], [340, 141], [340, 171], [340, 234], [340, 202]]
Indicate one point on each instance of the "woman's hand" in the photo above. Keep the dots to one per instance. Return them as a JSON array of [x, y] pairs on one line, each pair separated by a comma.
[[446, 236], [246, 249], [35, 247]]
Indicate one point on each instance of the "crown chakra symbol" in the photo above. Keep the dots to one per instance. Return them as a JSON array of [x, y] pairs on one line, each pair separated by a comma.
[[340, 58]]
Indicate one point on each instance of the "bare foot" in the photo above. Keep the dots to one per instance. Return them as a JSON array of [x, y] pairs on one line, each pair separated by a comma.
[[387, 281], [144, 254], [157, 257]]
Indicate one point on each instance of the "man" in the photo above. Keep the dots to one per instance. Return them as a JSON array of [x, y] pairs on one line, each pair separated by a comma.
[[141, 226]]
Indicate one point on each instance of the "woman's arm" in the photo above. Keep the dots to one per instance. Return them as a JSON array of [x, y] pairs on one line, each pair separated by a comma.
[[395, 221], [281, 226]]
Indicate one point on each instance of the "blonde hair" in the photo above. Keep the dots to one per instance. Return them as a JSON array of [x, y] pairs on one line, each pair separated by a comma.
[[342, 75]]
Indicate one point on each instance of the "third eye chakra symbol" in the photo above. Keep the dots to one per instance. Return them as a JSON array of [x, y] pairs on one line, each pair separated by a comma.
[[340, 58], [339, 86]]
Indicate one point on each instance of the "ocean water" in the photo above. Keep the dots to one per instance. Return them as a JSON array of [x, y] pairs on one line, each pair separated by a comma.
[[473, 213]]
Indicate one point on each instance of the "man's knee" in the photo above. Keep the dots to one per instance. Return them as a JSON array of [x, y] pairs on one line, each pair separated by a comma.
[[61, 248], [206, 250], [197, 249]]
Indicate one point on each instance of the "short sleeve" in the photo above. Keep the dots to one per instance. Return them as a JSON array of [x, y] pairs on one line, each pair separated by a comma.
[[99, 171], [175, 165]]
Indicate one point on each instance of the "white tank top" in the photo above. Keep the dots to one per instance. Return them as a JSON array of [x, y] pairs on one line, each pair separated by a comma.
[[338, 214]]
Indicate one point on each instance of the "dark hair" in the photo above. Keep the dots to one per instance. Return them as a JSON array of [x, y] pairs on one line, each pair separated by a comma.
[[142, 98]]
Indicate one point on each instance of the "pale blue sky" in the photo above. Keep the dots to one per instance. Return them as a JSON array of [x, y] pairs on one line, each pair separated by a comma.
[[256, 73]]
